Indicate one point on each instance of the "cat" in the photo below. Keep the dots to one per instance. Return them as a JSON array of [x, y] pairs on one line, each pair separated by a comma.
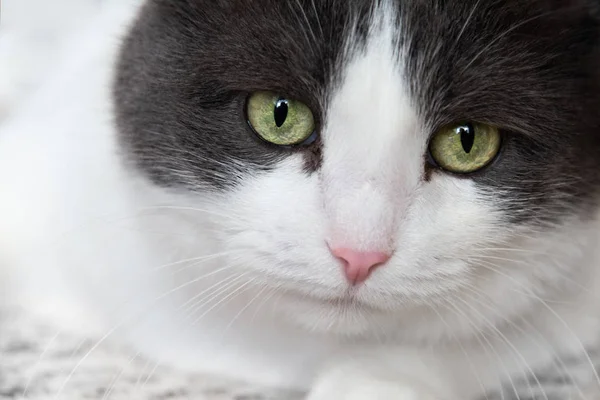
[[358, 199]]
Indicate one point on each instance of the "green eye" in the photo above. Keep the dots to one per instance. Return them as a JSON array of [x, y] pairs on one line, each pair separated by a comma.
[[466, 147], [279, 120]]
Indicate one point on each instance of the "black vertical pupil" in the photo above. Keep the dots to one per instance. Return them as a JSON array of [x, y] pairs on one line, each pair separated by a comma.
[[467, 137], [281, 112]]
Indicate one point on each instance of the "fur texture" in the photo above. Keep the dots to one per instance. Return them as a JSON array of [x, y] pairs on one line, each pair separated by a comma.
[[145, 199]]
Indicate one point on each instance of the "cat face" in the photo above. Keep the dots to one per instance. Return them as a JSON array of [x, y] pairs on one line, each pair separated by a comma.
[[366, 157]]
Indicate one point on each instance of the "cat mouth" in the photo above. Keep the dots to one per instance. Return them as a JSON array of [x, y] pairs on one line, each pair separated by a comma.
[[348, 300]]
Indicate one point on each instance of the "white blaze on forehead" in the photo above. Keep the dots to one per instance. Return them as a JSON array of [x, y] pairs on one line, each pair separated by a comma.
[[373, 152]]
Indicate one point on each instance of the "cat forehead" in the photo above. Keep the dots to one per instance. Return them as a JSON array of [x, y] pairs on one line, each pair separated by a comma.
[[460, 58]]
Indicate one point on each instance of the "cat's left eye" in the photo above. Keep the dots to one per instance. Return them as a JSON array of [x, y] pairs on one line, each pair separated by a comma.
[[279, 120], [466, 147]]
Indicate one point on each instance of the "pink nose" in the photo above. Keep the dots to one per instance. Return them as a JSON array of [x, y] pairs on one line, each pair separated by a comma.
[[358, 265]]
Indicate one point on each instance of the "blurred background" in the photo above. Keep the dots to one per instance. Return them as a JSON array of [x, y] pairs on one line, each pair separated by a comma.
[[33, 36]]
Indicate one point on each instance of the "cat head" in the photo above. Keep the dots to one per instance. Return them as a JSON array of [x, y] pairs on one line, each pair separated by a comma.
[[367, 158]]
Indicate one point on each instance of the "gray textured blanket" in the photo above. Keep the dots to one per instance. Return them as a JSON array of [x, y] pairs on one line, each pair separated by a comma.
[[39, 361]]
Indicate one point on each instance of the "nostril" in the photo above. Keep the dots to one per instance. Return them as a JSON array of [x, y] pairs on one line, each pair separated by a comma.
[[358, 265]]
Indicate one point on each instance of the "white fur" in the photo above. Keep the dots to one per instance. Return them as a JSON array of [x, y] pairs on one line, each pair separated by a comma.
[[372, 149], [83, 230]]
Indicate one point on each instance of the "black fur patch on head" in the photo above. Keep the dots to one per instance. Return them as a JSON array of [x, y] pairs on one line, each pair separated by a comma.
[[187, 67], [530, 67]]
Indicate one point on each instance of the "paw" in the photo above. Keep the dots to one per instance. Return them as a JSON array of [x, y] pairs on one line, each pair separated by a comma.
[[366, 388]]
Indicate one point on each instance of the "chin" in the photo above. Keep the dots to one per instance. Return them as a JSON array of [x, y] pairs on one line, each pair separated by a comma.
[[335, 317], [372, 312], [343, 313]]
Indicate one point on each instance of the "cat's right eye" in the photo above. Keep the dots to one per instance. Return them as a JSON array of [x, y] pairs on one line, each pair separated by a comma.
[[279, 120]]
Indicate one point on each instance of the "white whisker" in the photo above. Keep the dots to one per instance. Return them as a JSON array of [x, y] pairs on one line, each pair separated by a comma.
[[462, 348], [230, 296], [503, 337], [501, 36], [191, 282], [487, 304], [488, 344], [223, 285], [248, 305], [150, 375], [200, 258], [37, 364], [87, 355], [116, 379]]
